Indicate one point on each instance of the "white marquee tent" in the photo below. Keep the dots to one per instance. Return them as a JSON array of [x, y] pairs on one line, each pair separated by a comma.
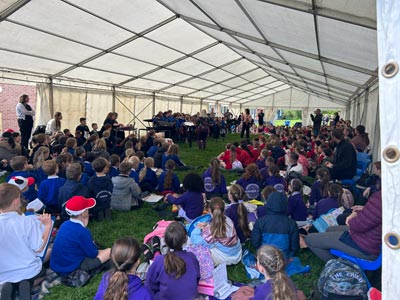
[[138, 57]]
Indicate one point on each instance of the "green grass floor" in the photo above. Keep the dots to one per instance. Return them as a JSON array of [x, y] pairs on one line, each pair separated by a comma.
[[140, 222]]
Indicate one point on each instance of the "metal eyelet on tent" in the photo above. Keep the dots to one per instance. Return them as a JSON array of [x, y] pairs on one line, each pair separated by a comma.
[[391, 154], [390, 69], [392, 240]]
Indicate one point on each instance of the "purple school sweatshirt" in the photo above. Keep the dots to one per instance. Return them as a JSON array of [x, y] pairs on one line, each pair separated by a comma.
[[167, 287], [262, 291], [324, 205], [135, 288], [191, 202], [297, 210]]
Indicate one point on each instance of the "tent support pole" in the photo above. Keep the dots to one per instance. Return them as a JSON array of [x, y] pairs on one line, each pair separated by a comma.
[[365, 109], [181, 104], [153, 109], [51, 98], [113, 98]]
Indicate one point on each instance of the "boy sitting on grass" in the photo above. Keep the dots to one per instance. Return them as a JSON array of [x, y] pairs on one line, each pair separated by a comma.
[[23, 239], [74, 256]]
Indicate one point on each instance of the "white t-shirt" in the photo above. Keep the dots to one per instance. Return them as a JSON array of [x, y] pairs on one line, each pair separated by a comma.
[[21, 237]]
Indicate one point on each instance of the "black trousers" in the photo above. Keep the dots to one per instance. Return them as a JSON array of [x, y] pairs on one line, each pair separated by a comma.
[[25, 128], [245, 127]]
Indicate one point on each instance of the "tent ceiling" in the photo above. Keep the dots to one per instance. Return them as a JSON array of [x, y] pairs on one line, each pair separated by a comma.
[[230, 50]]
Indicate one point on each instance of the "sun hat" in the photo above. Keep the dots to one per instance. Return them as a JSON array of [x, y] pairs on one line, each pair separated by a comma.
[[21, 182]]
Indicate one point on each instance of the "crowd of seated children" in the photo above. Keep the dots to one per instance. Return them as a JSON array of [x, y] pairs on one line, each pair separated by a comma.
[[121, 282], [214, 180], [168, 182], [219, 235], [101, 187], [74, 251], [176, 268], [276, 228], [126, 194], [237, 212], [23, 239], [191, 202]]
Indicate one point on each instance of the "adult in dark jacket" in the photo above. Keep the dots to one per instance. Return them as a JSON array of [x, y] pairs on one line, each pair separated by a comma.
[[344, 164], [362, 238], [276, 228], [317, 120]]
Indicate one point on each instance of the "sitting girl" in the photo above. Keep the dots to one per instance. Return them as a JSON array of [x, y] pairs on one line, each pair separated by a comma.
[[172, 153], [319, 188], [219, 235], [271, 263], [191, 201], [121, 282], [251, 182], [237, 212], [168, 181], [275, 179], [297, 210], [175, 275], [214, 180], [335, 192], [147, 177]]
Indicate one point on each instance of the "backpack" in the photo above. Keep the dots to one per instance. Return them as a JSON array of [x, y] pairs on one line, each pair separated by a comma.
[[341, 280]]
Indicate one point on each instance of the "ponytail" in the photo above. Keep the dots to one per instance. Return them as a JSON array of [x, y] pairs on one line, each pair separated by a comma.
[[243, 221], [217, 224], [273, 262], [324, 176], [124, 254], [169, 166], [142, 173], [215, 171], [117, 288], [175, 236], [174, 265]]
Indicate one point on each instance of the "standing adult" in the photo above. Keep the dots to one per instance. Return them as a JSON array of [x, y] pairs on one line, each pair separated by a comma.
[[246, 121], [344, 164], [54, 125], [317, 120], [25, 115], [261, 118]]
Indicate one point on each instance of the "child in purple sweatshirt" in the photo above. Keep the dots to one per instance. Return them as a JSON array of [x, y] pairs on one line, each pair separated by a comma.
[[175, 275], [297, 210], [125, 254]]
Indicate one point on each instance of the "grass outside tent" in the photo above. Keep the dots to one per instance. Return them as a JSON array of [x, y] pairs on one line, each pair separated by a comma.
[[140, 222]]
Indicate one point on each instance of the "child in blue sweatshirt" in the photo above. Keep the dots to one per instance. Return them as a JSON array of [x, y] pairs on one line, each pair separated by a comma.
[[20, 166], [101, 188], [49, 188]]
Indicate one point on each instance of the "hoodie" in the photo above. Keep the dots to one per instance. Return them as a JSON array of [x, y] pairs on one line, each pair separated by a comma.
[[125, 194], [136, 290], [69, 189], [276, 228]]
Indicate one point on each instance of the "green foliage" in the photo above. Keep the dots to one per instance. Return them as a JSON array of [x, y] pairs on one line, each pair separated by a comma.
[[291, 114], [140, 222], [282, 122]]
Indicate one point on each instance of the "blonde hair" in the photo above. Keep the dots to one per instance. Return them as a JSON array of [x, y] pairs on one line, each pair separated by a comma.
[[217, 224], [148, 163], [100, 144], [40, 157], [273, 262]]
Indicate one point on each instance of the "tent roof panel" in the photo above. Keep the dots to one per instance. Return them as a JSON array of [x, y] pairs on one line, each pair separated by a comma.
[[65, 20], [179, 90], [196, 83], [119, 64], [4, 4], [254, 75], [135, 15], [259, 48], [185, 8], [146, 50], [234, 82], [239, 67], [218, 88], [190, 66], [29, 63], [217, 55], [265, 80], [348, 43], [177, 33], [228, 15], [249, 87], [217, 75], [309, 75], [360, 8], [201, 94], [83, 73], [340, 72], [281, 25], [146, 84], [301, 60], [217, 34], [168, 76], [34, 42]]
